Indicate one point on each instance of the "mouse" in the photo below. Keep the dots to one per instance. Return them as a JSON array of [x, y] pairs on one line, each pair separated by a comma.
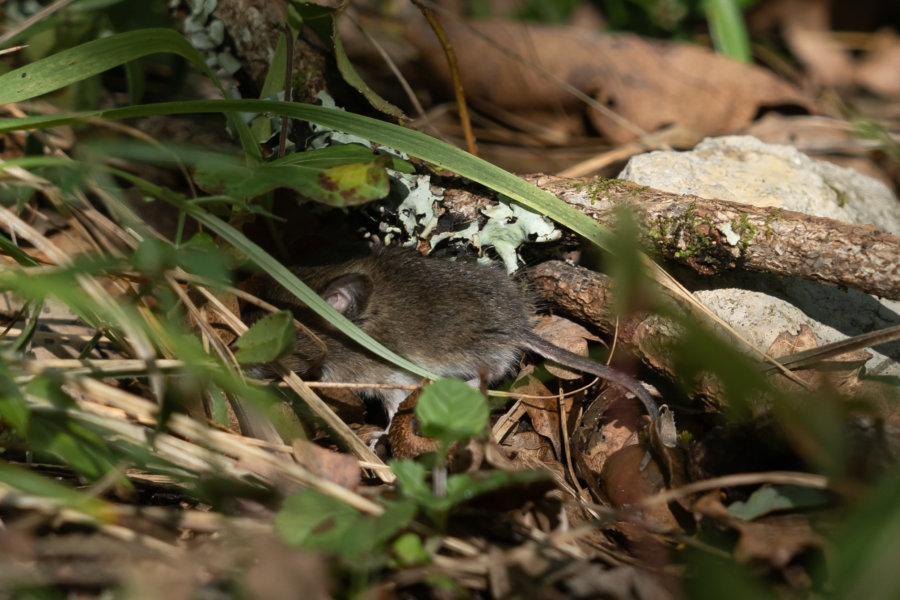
[[454, 318]]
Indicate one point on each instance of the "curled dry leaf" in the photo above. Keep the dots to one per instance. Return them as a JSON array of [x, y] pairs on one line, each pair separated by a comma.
[[534, 447], [609, 424], [648, 83], [627, 480]]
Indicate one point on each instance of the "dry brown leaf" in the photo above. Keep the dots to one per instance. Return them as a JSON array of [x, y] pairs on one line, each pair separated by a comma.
[[879, 71], [805, 25], [608, 425], [773, 541], [338, 467], [542, 409], [808, 133], [649, 83], [565, 334], [626, 481]]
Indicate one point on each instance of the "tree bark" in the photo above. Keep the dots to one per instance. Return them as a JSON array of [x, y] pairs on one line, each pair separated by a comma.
[[712, 236]]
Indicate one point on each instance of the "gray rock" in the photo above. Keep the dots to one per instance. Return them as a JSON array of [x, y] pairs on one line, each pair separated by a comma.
[[759, 306]]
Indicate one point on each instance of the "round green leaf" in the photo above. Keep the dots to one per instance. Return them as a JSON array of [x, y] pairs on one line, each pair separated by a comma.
[[450, 410]]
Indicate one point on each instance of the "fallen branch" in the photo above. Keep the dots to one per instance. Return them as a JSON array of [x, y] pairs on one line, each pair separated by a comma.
[[713, 236]]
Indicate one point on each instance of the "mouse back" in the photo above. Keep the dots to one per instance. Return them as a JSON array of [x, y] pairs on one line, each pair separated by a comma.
[[451, 318]]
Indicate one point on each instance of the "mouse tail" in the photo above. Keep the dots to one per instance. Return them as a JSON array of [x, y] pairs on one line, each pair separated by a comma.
[[539, 345]]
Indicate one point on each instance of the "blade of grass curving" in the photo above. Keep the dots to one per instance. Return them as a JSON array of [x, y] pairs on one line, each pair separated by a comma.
[[86, 60], [412, 142], [274, 268], [290, 281]]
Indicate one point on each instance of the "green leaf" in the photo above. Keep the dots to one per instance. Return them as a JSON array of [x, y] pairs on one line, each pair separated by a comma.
[[411, 477], [153, 255], [866, 551], [13, 406], [269, 339], [318, 522], [714, 577], [16, 253], [341, 185], [409, 551], [450, 410], [778, 497], [728, 29], [353, 184], [79, 447], [200, 256], [348, 72], [274, 81], [83, 61]]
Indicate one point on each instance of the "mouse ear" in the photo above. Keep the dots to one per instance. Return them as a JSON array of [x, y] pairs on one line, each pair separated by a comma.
[[349, 294]]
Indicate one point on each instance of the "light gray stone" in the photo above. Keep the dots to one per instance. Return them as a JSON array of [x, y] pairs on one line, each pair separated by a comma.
[[745, 169]]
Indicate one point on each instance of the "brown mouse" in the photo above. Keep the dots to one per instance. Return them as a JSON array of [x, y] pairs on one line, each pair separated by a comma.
[[452, 318]]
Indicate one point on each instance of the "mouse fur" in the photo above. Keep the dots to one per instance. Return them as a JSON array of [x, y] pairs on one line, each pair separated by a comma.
[[452, 318]]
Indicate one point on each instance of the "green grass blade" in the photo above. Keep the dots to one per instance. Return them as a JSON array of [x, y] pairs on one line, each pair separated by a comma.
[[86, 60], [412, 142], [290, 281], [728, 30]]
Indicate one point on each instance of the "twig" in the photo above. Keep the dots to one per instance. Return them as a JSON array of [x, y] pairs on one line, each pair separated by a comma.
[[454, 76], [779, 477], [35, 18]]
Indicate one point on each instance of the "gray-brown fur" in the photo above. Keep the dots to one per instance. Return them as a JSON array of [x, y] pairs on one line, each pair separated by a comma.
[[451, 318]]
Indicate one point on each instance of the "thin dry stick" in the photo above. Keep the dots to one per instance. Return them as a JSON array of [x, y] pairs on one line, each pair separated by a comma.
[[454, 76], [316, 405], [812, 356], [13, 49], [103, 367], [564, 432], [223, 443], [35, 18], [779, 477]]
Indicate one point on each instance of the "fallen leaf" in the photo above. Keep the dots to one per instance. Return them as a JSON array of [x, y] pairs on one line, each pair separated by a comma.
[[568, 335], [648, 83]]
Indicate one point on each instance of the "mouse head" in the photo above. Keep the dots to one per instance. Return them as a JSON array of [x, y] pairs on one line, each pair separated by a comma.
[[348, 294]]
